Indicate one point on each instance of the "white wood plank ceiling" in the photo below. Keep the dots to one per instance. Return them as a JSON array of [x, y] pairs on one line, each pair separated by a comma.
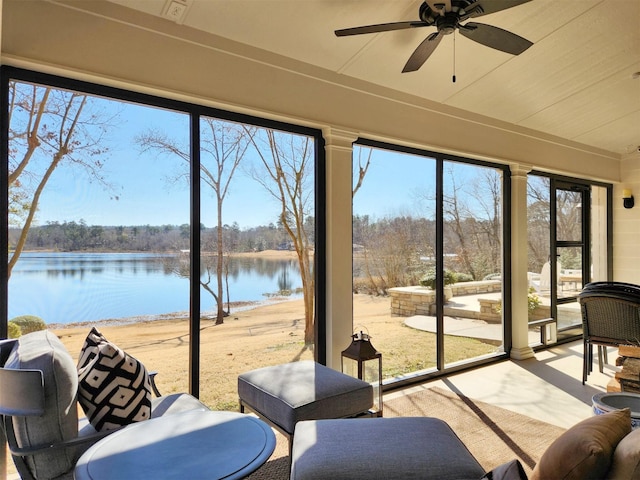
[[576, 81]]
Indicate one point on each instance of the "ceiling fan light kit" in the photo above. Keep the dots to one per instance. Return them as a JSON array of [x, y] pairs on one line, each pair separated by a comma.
[[447, 16]]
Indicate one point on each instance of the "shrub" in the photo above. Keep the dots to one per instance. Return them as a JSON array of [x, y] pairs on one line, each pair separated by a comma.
[[463, 277], [29, 323], [14, 330], [429, 279], [533, 300]]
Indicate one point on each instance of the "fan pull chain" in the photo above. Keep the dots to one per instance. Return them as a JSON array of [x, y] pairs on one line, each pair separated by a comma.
[[454, 57]]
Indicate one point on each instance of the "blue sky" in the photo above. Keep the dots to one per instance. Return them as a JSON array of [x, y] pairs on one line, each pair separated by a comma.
[[143, 184], [396, 183]]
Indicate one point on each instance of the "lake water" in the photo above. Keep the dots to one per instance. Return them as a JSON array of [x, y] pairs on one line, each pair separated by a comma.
[[81, 287]]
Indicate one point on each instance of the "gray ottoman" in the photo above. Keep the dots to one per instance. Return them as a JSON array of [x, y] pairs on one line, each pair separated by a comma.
[[286, 394], [380, 449]]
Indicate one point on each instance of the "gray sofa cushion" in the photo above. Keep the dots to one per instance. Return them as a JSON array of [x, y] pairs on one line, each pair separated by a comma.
[[380, 449], [43, 351], [288, 393]]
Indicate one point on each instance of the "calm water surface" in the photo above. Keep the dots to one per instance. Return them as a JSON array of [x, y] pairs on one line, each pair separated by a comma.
[[80, 287]]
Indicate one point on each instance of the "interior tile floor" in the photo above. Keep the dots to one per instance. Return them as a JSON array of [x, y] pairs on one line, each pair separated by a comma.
[[547, 387]]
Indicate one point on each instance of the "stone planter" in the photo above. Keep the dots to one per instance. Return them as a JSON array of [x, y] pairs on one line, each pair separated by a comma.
[[448, 293], [608, 402]]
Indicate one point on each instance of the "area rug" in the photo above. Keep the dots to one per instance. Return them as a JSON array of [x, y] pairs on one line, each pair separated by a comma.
[[277, 468], [492, 434]]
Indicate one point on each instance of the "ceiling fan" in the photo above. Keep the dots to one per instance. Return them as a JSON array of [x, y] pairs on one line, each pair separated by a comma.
[[447, 16]]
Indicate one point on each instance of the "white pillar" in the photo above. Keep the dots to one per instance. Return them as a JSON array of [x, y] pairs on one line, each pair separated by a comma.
[[339, 241], [520, 348], [598, 267]]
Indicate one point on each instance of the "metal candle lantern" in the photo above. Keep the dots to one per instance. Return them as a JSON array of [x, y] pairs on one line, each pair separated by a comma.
[[362, 360]]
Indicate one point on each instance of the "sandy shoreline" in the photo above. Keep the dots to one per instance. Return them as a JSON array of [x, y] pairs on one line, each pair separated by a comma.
[[235, 307], [264, 335]]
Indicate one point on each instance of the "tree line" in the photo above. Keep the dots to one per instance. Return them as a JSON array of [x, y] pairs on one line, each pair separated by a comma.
[[75, 236]]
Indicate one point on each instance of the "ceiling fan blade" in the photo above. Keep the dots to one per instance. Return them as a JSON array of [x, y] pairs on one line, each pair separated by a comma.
[[422, 53], [381, 27], [495, 37], [486, 7]]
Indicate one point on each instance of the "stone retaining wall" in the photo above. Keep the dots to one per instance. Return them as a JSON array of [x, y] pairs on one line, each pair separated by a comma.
[[418, 300], [489, 311]]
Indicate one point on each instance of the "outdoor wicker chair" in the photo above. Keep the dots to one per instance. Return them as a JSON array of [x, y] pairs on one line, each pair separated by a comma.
[[610, 318]]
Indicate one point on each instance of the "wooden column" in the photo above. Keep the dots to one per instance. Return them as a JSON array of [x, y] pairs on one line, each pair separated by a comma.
[[339, 241], [520, 348]]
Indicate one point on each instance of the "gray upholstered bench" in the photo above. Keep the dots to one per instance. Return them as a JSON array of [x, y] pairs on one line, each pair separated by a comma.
[[380, 449], [286, 394]]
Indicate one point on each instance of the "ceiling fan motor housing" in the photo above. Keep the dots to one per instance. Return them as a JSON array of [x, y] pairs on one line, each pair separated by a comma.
[[427, 15], [447, 23], [461, 9]]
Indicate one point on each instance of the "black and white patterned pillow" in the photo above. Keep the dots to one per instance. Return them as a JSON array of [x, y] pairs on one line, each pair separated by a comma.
[[113, 387]]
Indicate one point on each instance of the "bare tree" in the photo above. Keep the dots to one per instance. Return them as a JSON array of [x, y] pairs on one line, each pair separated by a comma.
[[485, 220], [48, 127], [538, 216], [287, 175], [222, 148], [363, 167], [455, 211], [394, 253]]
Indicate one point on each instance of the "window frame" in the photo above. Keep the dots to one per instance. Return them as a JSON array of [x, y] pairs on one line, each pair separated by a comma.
[[195, 111], [440, 158]]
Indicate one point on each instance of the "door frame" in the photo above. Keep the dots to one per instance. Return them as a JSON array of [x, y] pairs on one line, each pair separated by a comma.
[[563, 182]]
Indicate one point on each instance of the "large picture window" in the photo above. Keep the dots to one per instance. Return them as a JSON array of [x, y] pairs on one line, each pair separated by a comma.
[[428, 258], [185, 234]]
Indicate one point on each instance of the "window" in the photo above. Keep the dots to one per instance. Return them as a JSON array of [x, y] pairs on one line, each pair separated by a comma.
[[424, 222], [107, 227]]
